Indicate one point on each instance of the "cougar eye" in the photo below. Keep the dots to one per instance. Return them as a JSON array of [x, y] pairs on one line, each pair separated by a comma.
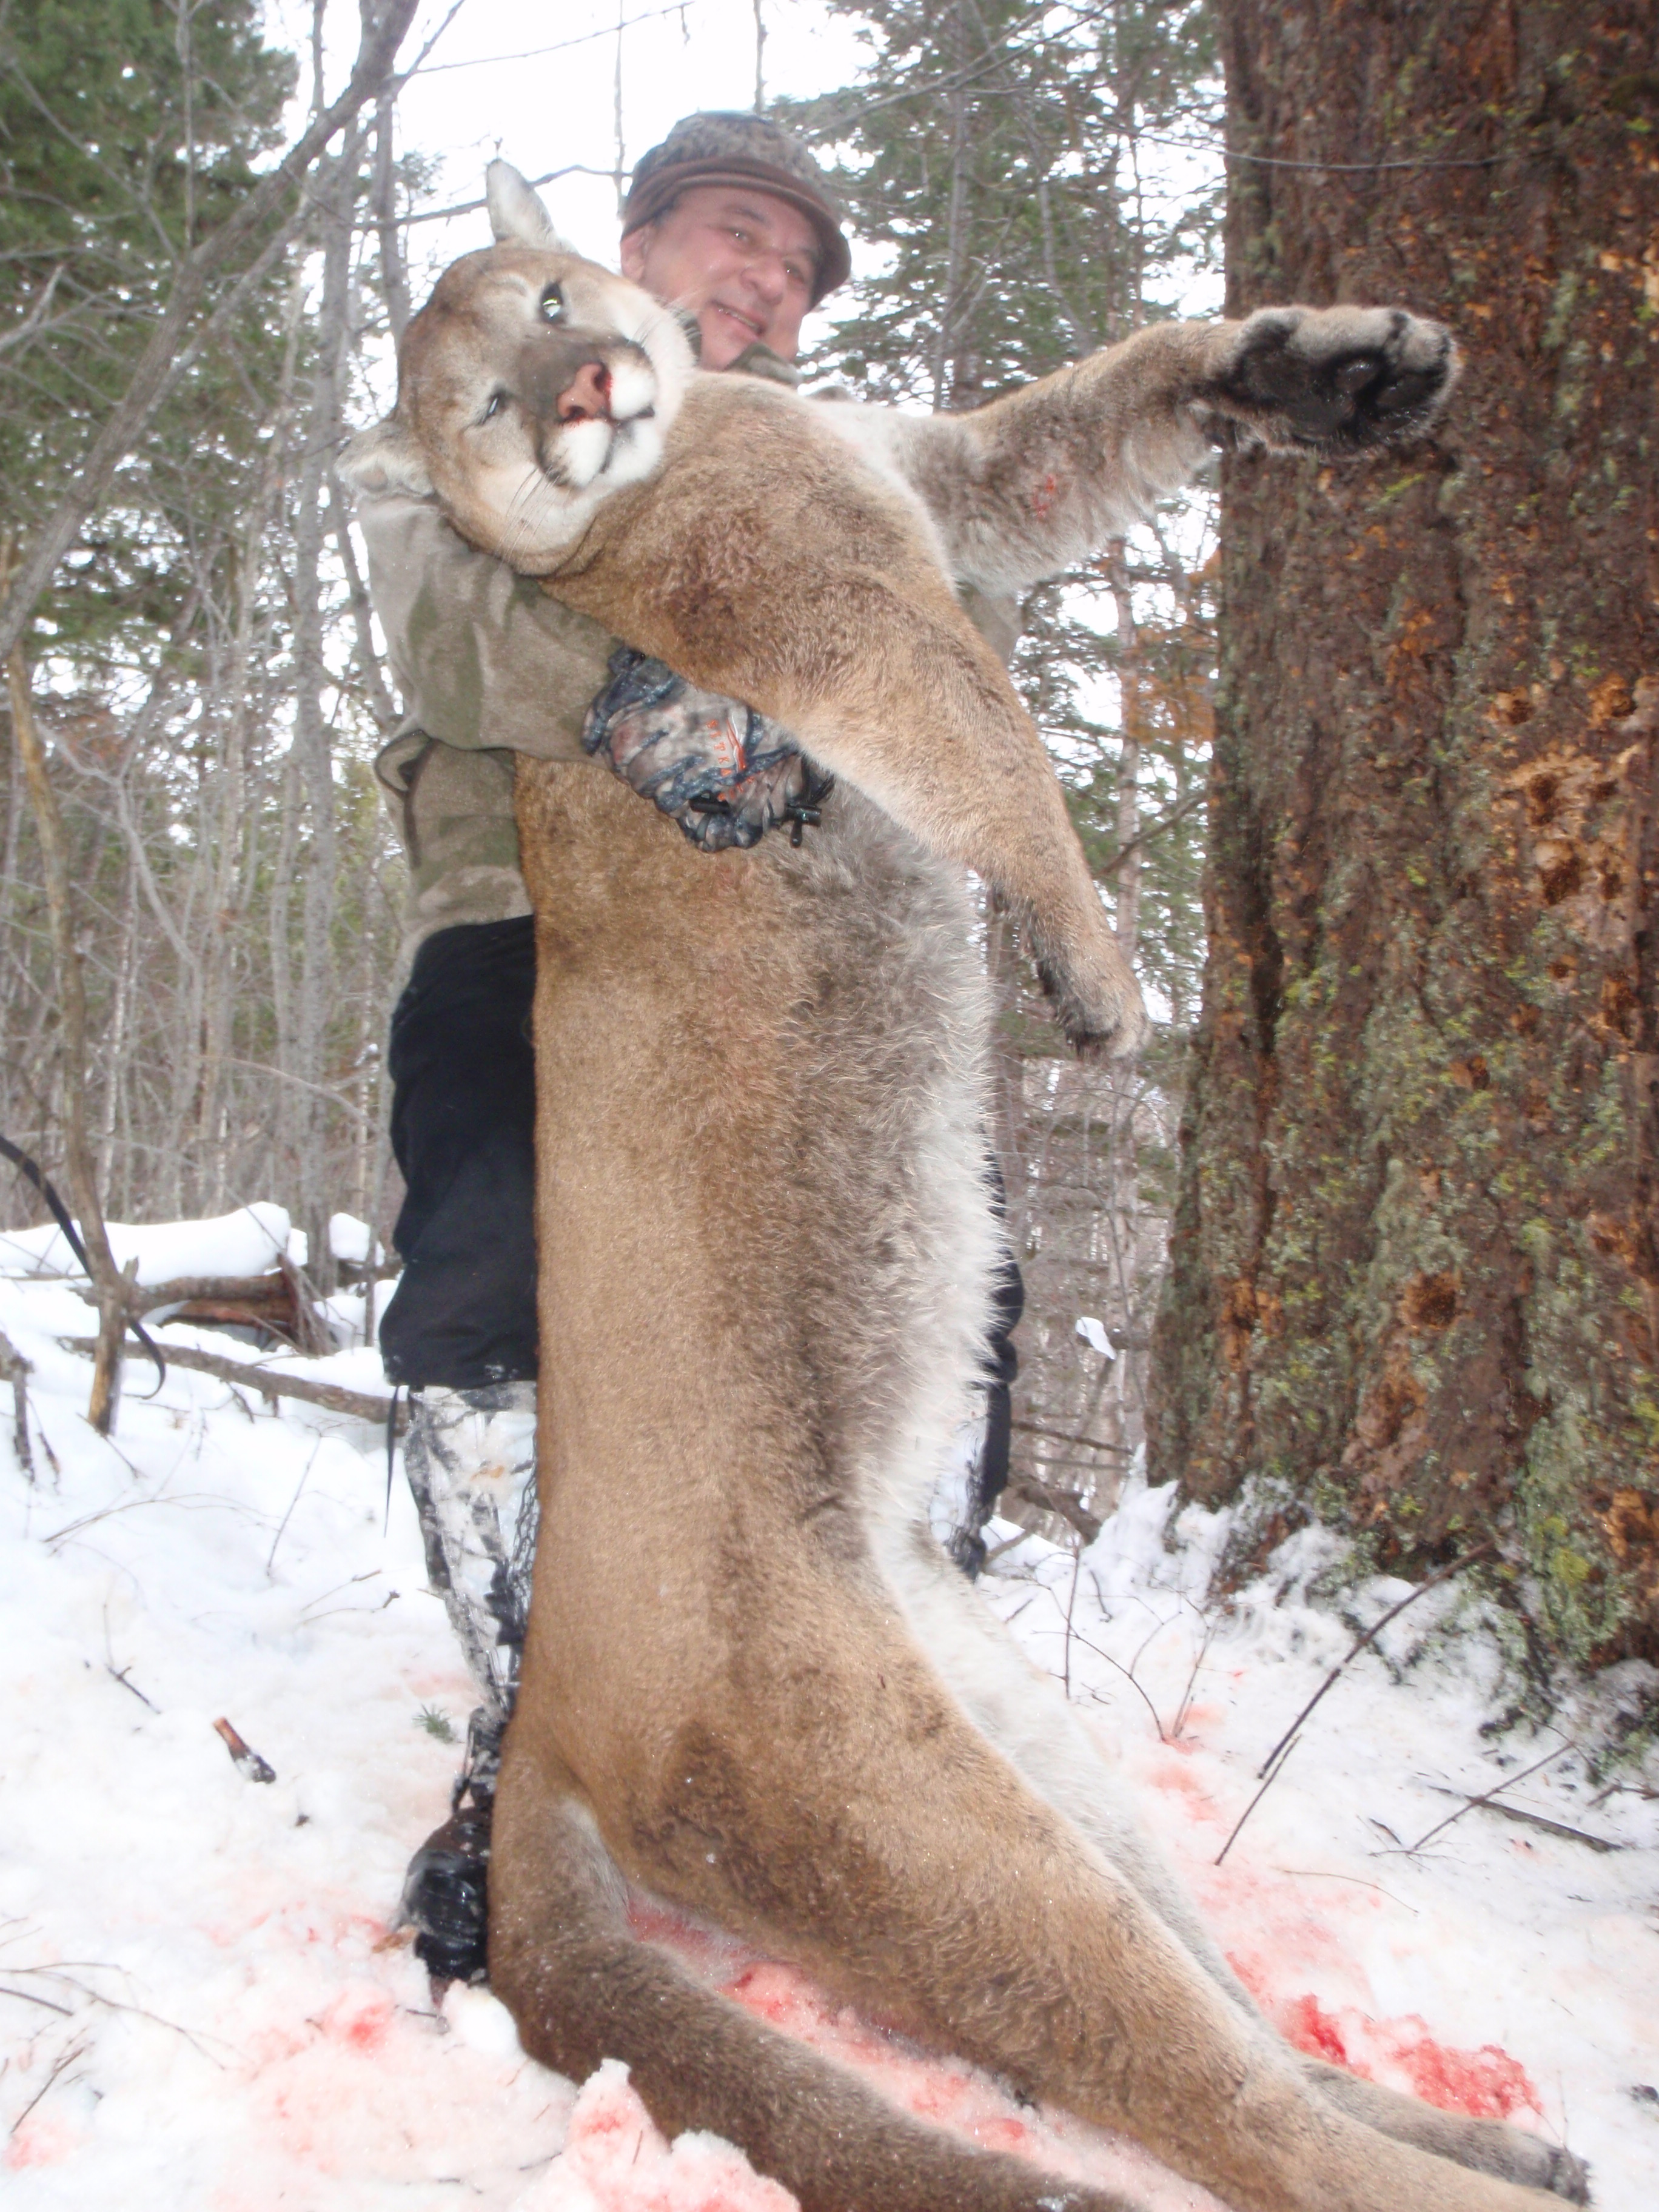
[[497, 401], [553, 303]]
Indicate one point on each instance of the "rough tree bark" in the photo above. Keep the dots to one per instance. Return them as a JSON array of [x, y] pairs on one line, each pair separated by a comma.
[[1415, 1280]]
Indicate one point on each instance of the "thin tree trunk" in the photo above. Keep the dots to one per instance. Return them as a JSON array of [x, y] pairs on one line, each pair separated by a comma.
[[1126, 878], [394, 272], [117, 1045], [335, 198], [952, 318], [71, 989]]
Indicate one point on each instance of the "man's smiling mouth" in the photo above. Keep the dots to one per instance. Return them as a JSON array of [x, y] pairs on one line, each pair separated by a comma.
[[744, 322]]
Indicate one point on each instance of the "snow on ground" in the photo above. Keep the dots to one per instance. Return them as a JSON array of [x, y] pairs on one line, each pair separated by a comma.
[[202, 2006]]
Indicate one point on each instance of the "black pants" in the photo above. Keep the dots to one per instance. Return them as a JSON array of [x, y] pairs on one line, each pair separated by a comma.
[[462, 1129]]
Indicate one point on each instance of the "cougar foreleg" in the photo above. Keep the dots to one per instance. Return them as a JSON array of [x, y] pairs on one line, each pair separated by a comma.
[[1021, 488], [924, 721], [583, 1988]]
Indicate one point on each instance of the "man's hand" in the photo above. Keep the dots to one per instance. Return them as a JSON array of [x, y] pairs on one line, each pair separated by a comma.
[[724, 773]]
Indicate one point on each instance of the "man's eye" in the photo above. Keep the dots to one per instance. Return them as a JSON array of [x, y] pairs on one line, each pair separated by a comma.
[[553, 303], [497, 401]]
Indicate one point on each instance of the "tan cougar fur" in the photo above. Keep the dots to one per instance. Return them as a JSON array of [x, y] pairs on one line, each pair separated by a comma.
[[752, 1683]]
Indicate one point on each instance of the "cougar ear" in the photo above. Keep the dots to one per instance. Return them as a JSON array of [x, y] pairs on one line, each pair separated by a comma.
[[517, 217], [384, 458]]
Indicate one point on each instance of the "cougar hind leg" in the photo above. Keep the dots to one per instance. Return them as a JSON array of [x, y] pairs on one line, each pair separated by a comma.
[[1024, 1713], [582, 1987], [986, 1925]]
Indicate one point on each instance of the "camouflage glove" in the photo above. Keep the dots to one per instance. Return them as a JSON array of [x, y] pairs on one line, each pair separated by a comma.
[[724, 773]]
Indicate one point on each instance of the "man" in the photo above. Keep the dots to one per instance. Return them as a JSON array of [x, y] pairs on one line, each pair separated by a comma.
[[730, 223]]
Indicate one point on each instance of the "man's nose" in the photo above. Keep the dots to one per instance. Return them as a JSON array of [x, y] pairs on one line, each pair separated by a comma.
[[767, 277], [586, 397]]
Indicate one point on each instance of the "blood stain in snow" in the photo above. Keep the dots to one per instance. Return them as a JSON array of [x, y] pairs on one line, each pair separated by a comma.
[[617, 2159], [1487, 2084], [40, 2141], [1166, 1772], [1306, 2024], [360, 2016]]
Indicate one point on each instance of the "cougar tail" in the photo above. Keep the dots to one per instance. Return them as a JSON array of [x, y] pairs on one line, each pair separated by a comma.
[[583, 1988]]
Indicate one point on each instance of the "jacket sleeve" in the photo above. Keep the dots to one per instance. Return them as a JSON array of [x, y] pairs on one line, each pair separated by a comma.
[[484, 658]]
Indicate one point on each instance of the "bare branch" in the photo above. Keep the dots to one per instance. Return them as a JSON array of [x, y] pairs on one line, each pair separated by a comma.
[[145, 392]]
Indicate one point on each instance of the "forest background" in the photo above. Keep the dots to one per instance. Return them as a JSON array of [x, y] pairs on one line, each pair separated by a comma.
[[1027, 182]]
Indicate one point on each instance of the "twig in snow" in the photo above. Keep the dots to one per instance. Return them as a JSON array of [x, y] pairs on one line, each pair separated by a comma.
[[1147, 1641], [361, 1612], [59, 1973], [1192, 1682], [305, 1476], [1136, 1686], [247, 1760], [119, 1674], [1486, 1796], [45, 1446], [1324, 1874], [270, 1381], [1617, 1789], [184, 1497], [28, 1997], [1550, 1828], [1071, 1601], [1370, 1636], [369, 1576], [1272, 1777], [65, 2060]]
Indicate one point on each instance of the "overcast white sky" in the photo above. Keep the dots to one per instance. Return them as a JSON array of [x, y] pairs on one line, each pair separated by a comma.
[[536, 84]]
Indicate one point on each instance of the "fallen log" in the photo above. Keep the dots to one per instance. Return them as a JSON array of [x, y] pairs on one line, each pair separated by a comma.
[[277, 1303], [271, 1382]]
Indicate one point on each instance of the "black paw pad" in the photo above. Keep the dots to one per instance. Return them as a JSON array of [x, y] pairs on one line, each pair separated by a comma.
[[1339, 380]]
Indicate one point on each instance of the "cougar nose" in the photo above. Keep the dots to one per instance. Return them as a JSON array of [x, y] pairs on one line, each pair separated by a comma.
[[586, 397]]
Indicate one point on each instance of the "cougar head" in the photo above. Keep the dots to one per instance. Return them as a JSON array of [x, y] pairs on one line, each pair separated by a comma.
[[531, 385]]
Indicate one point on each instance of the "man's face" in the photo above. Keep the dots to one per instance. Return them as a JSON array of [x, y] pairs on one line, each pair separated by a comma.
[[742, 261]]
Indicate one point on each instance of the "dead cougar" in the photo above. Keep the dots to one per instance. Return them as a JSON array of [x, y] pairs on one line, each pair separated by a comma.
[[751, 1682]]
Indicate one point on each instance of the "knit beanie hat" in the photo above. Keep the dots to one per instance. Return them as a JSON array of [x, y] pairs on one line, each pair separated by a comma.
[[727, 148]]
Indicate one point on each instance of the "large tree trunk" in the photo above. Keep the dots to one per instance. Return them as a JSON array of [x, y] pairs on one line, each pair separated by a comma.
[[1415, 1280]]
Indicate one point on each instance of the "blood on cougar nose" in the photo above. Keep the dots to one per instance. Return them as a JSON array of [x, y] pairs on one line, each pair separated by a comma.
[[586, 397]]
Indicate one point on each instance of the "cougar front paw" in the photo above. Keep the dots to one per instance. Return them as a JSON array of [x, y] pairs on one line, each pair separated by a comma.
[[1337, 379], [1096, 1002]]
